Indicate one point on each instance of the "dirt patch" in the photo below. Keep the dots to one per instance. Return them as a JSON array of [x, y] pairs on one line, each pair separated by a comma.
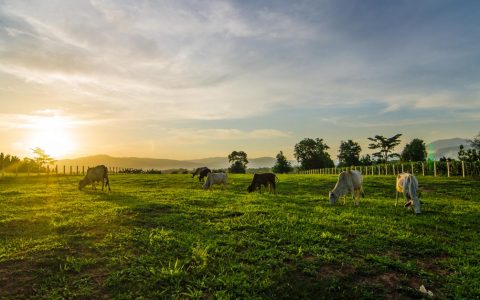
[[335, 271], [17, 278]]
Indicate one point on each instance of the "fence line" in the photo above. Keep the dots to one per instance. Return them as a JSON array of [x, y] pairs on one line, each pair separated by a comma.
[[426, 168], [57, 170]]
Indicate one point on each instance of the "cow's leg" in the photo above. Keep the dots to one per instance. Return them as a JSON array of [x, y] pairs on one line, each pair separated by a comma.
[[274, 187], [103, 183]]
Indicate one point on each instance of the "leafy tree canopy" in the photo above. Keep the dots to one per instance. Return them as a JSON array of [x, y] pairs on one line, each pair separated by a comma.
[[385, 146], [282, 165], [312, 154], [239, 162], [414, 151], [349, 153]]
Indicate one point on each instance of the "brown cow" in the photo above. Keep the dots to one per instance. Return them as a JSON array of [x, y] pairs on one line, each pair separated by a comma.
[[266, 179]]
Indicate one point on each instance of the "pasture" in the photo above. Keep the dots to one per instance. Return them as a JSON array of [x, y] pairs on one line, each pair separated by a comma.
[[162, 236]]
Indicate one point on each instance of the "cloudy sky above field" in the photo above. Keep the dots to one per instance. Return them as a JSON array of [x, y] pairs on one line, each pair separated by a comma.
[[192, 79]]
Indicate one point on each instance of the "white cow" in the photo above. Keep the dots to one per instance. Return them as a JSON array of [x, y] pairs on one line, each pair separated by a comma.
[[348, 182], [215, 178], [408, 185]]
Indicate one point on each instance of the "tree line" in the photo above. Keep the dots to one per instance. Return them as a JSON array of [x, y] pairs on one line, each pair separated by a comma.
[[37, 163], [312, 154]]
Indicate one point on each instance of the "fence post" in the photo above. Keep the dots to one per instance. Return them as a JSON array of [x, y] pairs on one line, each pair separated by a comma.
[[413, 171], [56, 169], [64, 172], [463, 168], [434, 168], [448, 168], [77, 169], [402, 169], [83, 170], [70, 170], [423, 169]]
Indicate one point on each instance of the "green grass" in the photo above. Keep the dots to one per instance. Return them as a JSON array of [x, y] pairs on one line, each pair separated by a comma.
[[162, 236]]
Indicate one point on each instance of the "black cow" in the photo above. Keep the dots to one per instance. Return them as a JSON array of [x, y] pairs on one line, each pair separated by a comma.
[[201, 172], [266, 179]]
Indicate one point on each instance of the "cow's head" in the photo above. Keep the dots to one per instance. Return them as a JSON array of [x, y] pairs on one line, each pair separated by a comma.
[[82, 183], [251, 188], [333, 198]]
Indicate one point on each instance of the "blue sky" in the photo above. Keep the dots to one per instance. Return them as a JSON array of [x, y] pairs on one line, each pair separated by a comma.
[[190, 79]]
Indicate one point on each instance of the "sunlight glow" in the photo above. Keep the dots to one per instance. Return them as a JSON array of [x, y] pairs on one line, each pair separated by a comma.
[[52, 134]]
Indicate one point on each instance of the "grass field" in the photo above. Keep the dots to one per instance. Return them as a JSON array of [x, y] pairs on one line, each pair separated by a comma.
[[162, 236]]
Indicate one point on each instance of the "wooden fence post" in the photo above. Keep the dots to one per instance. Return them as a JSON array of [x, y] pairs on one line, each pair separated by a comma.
[[413, 170], [423, 169], [77, 169], [83, 170], [463, 168], [448, 168], [402, 169], [434, 168], [70, 170]]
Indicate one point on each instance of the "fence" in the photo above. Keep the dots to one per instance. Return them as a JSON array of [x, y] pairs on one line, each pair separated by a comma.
[[427, 168], [58, 170]]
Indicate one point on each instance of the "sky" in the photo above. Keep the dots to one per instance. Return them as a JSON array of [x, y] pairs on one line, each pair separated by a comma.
[[194, 79]]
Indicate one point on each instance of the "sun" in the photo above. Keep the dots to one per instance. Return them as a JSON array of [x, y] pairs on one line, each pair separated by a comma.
[[52, 134]]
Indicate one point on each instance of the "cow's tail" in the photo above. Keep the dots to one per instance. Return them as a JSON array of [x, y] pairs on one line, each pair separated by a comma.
[[276, 178]]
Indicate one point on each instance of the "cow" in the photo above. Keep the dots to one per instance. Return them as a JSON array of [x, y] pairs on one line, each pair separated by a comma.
[[408, 185], [201, 172], [215, 178], [348, 182], [98, 173], [266, 179]]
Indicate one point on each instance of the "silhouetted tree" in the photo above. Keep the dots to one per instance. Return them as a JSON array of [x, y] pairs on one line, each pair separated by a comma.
[[239, 162], [42, 158], [366, 160], [349, 153], [469, 155], [475, 142], [312, 154], [282, 165], [414, 151], [386, 146]]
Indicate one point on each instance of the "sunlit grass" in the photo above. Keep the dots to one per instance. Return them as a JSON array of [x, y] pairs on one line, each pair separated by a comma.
[[164, 236]]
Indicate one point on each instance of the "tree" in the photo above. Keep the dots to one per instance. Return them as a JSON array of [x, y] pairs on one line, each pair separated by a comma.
[[42, 158], [475, 142], [349, 153], [239, 162], [414, 151], [312, 154], [470, 155], [386, 146], [366, 160], [282, 165]]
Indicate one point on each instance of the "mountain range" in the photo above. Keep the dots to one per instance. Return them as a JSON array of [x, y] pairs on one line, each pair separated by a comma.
[[161, 164], [435, 150]]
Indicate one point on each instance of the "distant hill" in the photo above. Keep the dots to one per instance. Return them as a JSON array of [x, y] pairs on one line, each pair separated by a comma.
[[446, 147], [161, 164]]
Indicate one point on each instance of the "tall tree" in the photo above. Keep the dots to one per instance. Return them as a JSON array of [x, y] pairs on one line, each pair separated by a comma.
[[282, 165], [42, 158], [386, 146], [239, 162], [475, 142], [414, 151], [312, 154], [349, 153]]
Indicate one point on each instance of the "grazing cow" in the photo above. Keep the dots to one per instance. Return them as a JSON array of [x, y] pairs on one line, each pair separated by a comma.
[[348, 182], [408, 185], [98, 173], [201, 172], [215, 178], [266, 179]]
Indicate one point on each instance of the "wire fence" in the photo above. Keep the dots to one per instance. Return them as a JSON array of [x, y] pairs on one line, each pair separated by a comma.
[[427, 168]]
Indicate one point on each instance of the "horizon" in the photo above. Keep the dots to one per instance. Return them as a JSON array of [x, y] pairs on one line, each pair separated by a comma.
[[191, 80]]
